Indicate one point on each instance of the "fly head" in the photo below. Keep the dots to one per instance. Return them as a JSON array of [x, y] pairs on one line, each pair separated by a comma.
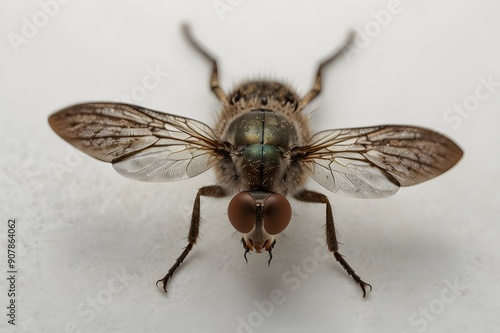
[[260, 216]]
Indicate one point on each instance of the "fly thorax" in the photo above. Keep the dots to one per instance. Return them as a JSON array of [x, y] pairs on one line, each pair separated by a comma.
[[260, 138]]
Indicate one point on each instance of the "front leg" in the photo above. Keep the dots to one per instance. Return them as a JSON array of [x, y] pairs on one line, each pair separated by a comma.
[[331, 237], [208, 191]]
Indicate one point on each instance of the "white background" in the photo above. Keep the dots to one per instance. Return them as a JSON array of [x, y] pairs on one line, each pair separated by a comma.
[[80, 224]]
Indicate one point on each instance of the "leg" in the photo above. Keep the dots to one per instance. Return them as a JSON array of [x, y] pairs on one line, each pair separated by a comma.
[[208, 191], [317, 84], [214, 79], [331, 238]]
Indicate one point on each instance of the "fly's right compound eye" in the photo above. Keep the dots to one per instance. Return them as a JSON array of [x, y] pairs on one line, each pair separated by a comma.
[[241, 212], [277, 214]]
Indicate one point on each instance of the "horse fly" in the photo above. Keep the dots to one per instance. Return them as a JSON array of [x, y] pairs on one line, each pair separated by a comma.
[[262, 150]]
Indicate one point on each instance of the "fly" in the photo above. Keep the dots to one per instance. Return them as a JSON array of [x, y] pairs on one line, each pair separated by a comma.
[[262, 150]]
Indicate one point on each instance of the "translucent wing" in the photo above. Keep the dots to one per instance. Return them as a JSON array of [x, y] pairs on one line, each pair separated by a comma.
[[142, 144], [373, 162]]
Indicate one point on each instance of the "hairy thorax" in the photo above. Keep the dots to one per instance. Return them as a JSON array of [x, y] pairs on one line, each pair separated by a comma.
[[262, 121]]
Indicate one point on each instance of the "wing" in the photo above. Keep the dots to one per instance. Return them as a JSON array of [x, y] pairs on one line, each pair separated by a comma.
[[142, 144], [373, 162]]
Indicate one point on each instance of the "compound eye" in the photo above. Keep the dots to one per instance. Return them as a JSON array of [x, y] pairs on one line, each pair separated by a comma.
[[241, 212], [277, 214]]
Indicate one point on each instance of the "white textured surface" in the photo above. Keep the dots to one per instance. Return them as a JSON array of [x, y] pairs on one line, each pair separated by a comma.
[[77, 230]]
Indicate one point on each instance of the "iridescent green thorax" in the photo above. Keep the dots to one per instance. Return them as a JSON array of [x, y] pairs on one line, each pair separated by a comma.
[[261, 136]]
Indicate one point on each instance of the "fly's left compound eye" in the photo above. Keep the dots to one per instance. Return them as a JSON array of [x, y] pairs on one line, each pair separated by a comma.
[[277, 214], [241, 212]]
